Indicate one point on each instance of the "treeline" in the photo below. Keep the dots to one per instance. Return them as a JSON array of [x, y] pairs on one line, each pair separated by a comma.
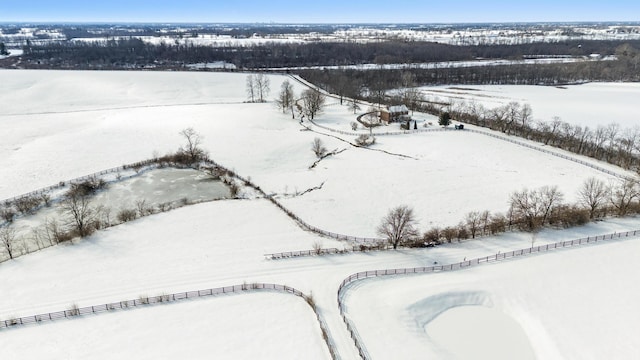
[[134, 51], [609, 143], [236, 31], [531, 210], [363, 83]]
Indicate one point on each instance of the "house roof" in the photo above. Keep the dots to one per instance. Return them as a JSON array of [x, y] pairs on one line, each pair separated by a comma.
[[398, 109]]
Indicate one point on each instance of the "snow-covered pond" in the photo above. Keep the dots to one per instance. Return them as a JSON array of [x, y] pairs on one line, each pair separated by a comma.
[[148, 192], [562, 305]]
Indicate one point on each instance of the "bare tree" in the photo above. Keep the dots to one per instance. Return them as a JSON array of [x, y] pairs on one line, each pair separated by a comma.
[[432, 236], [485, 218], [550, 130], [251, 88], [409, 95], [473, 222], [312, 102], [192, 147], [599, 140], [54, 232], [398, 226], [533, 208], [76, 205], [412, 98], [549, 199], [526, 117], [626, 145], [285, 98], [449, 233], [525, 209], [142, 207], [512, 114], [317, 247], [353, 105], [262, 86], [8, 240], [498, 117], [497, 224], [623, 195], [592, 195], [318, 148], [612, 135]]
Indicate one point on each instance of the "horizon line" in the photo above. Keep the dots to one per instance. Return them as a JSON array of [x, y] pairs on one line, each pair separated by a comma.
[[65, 22]]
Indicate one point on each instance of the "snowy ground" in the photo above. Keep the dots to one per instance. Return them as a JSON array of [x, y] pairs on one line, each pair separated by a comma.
[[569, 304], [442, 181], [202, 328], [85, 122], [215, 244], [591, 104]]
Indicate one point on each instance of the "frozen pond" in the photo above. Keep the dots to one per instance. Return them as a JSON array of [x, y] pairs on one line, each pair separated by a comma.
[[146, 193], [479, 332], [161, 186]]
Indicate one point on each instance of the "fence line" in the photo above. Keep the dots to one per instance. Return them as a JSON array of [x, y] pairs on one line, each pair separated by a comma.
[[153, 164], [302, 223], [553, 153], [142, 301], [61, 184], [458, 266], [566, 157], [126, 304], [289, 254], [513, 141]]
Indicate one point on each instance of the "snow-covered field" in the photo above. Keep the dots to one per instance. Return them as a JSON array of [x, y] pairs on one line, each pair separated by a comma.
[[592, 104], [61, 125], [574, 304], [227, 327], [88, 121]]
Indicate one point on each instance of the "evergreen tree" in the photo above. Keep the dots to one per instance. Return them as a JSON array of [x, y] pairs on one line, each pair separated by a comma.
[[445, 119]]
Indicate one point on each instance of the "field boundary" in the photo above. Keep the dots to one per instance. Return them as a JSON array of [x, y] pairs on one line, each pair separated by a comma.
[[486, 133], [150, 300], [171, 298], [147, 165], [355, 336]]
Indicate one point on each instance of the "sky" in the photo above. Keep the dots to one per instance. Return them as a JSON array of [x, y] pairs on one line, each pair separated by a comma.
[[327, 11]]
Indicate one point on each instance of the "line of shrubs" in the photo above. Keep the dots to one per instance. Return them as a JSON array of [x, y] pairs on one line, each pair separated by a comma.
[[532, 210]]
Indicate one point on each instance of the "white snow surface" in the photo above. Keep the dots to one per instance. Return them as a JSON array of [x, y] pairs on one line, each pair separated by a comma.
[[569, 304], [203, 329], [82, 122], [591, 104]]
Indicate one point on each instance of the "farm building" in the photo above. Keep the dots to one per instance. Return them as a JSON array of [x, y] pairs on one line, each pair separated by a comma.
[[395, 113]]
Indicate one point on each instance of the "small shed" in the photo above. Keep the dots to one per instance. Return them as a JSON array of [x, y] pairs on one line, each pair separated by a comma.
[[395, 113]]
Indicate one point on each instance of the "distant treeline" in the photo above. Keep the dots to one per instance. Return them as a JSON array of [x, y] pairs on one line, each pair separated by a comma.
[[532, 74], [134, 52]]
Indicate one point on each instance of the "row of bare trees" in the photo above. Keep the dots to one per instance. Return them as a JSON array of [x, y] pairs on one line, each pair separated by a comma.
[[529, 210], [310, 103], [258, 87], [609, 143]]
